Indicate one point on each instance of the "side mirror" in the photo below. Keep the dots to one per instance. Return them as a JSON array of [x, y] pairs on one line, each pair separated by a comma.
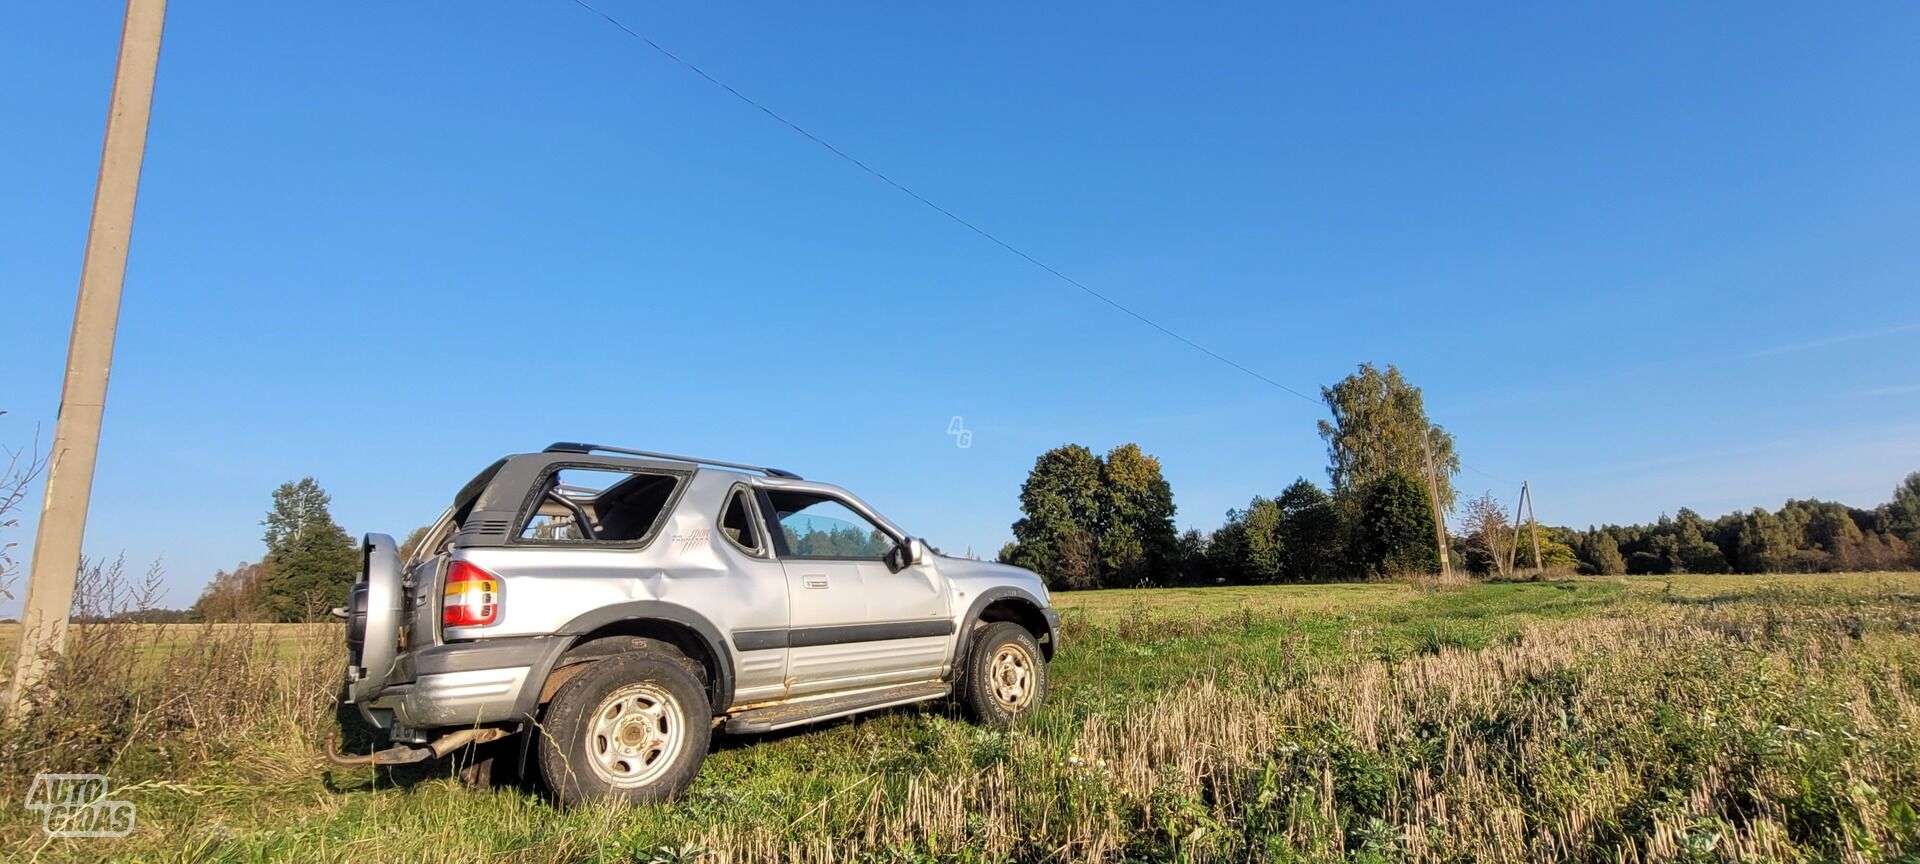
[[906, 554]]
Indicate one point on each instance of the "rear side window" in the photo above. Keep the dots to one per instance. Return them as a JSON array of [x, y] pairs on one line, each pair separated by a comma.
[[736, 522], [598, 505]]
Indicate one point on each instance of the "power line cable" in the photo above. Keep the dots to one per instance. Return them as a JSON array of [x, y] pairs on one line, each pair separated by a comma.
[[1486, 475], [956, 218], [897, 185]]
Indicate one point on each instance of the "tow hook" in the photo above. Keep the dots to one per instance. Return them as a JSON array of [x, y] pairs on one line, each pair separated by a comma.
[[406, 754]]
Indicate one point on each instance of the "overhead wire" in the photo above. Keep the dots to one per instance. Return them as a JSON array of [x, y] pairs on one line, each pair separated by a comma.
[[949, 214], [963, 222]]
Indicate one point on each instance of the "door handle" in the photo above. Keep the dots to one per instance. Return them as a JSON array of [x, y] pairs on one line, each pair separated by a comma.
[[814, 580]]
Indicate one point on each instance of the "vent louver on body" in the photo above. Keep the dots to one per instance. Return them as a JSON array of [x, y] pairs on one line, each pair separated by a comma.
[[486, 528]]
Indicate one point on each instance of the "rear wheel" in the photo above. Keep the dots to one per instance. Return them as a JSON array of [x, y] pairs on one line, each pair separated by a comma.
[[1006, 675], [633, 728]]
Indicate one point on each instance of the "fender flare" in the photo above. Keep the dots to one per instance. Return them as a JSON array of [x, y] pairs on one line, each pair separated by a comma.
[[720, 688], [989, 597]]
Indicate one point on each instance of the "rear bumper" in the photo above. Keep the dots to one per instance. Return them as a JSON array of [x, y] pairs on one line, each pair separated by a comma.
[[455, 698], [469, 683]]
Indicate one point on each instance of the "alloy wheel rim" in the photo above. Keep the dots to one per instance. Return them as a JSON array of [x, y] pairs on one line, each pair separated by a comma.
[[635, 734]]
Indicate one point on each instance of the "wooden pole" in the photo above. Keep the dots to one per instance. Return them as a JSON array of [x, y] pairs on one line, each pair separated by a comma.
[[83, 396]]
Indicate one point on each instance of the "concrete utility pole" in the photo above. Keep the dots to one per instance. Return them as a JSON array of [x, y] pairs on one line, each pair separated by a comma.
[[1533, 526], [1513, 548], [83, 396], [1433, 495]]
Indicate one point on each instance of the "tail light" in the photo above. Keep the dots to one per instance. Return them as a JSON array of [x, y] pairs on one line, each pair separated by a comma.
[[472, 597]]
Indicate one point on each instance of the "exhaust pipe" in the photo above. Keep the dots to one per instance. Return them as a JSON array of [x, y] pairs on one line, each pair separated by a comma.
[[407, 754]]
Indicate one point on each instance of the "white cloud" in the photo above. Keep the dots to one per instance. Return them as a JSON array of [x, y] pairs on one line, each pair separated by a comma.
[[1833, 340], [1889, 391]]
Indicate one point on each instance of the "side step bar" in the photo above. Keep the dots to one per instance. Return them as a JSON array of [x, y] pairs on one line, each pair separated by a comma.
[[774, 717]]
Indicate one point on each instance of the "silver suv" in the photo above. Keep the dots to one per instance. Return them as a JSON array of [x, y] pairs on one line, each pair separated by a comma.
[[616, 605]]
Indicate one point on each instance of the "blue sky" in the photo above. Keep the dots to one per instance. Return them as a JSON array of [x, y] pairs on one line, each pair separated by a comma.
[[1643, 256]]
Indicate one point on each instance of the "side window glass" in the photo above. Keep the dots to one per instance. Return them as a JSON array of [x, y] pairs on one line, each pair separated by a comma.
[[818, 527], [736, 522]]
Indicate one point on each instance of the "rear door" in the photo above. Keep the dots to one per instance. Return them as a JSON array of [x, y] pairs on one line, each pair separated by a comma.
[[761, 651], [852, 622]]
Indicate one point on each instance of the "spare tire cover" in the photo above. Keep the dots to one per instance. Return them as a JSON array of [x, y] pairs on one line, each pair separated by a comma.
[[373, 612]]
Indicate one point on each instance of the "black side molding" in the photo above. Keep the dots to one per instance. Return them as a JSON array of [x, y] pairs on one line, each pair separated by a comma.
[[842, 634]]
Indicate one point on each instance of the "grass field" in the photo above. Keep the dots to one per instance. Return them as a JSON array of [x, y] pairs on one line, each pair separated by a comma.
[[1690, 718]]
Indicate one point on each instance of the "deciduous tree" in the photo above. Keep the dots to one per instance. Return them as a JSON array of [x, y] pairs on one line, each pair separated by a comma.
[[1378, 428], [233, 595], [1900, 516], [1394, 532], [311, 562], [1487, 535], [1310, 547], [1762, 543], [297, 507], [1195, 568], [1250, 550], [1060, 505], [1136, 518], [16, 476], [413, 540], [1091, 522], [1601, 553], [1556, 548]]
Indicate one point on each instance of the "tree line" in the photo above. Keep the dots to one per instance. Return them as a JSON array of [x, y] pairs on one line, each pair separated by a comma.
[[310, 564], [1092, 520], [1803, 536], [1108, 522]]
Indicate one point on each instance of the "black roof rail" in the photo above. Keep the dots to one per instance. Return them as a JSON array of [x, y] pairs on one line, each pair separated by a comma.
[[574, 447]]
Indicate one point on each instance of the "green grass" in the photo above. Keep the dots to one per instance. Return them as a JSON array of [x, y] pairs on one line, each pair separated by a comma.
[[1671, 718]]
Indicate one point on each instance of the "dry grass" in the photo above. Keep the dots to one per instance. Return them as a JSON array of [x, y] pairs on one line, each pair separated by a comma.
[[157, 642], [1109, 606], [1533, 751], [1678, 719]]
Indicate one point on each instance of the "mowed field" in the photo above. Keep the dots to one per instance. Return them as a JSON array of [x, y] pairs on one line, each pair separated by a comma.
[[154, 643], [1685, 718]]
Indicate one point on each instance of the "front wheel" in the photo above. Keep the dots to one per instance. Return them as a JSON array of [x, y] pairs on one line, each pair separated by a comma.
[[1006, 675], [632, 728]]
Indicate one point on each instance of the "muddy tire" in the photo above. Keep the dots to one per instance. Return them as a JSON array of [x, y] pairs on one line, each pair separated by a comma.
[[632, 728], [1006, 675]]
